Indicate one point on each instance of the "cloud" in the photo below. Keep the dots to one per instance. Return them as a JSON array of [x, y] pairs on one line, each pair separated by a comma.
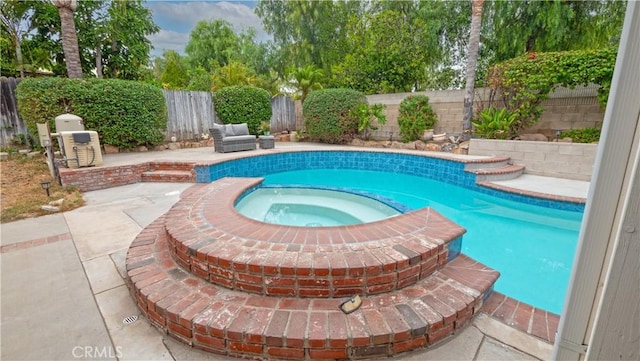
[[178, 18], [168, 40]]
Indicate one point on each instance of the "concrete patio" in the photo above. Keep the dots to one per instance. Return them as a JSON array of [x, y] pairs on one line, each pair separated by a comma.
[[64, 295]]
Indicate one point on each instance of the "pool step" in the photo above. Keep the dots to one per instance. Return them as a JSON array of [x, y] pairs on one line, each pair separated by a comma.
[[240, 324], [169, 165], [486, 163], [174, 176], [494, 169], [176, 172], [498, 174]]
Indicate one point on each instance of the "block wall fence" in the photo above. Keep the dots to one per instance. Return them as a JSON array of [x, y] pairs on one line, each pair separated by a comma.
[[565, 109], [552, 159]]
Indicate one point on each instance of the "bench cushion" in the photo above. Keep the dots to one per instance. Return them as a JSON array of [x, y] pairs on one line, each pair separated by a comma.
[[239, 138], [218, 127], [240, 129], [228, 130]]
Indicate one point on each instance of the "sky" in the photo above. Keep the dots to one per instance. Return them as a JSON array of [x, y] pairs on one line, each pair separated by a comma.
[[176, 19]]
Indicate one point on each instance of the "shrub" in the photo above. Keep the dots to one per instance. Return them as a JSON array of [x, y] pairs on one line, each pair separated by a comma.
[[585, 135], [243, 104], [493, 123], [416, 116], [328, 115], [125, 113], [522, 83], [365, 114]]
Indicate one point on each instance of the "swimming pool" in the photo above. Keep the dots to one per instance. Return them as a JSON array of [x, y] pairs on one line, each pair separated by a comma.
[[530, 241], [531, 246]]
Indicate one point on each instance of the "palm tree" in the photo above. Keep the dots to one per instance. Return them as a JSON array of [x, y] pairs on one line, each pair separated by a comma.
[[69, 37], [306, 79], [472, 61]]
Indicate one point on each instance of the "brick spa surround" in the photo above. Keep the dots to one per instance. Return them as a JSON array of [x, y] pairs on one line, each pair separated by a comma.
[[227, 284]]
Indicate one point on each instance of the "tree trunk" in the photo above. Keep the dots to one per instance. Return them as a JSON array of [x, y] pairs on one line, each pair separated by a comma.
[[69, 37], [472, 61], [99, 62], [20, 59]]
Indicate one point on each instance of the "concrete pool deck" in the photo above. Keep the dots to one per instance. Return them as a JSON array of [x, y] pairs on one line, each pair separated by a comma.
[[64, 295]]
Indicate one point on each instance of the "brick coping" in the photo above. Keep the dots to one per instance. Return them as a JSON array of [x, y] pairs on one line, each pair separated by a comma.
[[207, 235], [521, 316], [241, 324]]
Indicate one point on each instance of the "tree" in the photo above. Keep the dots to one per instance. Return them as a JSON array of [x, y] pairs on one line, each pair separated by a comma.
[[14, 20], [324, 33], [252, 53], [447, 23], [110, 34], [45, 37], [234, 73], [199, 79], [69, 37], [212, 44], [472, 60], [308, 32], [126, 48], [543, 26], [306, 79], [387, 54], [174, 75], [91, 19], [270, 82]]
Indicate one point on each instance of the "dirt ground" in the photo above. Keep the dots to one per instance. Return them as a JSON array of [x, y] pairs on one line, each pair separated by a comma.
[[21, 194]]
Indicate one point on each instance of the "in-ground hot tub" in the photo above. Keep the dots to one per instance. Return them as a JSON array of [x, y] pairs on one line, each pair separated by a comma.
[[312, 207]]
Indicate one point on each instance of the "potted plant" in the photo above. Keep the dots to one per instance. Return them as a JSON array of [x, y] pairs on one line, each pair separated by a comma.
[[265, 127]]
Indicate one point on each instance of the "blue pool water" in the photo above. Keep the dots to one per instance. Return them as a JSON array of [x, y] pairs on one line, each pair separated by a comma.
[[531, 246], [312, 207]]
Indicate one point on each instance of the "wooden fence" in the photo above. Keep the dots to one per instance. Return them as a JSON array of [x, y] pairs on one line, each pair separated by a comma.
[[191, 114], [284, 114], [11, 124]]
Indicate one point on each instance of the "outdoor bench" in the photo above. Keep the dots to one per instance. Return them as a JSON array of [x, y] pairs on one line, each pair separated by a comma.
[[232, 138]]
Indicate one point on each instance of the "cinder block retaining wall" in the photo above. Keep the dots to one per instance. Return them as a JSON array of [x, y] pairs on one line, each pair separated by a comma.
[[564, 160], [565, 109]]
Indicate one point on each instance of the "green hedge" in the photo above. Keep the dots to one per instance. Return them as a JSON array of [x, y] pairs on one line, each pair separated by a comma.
[[243, 104], [125, 113], [328, 115]]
